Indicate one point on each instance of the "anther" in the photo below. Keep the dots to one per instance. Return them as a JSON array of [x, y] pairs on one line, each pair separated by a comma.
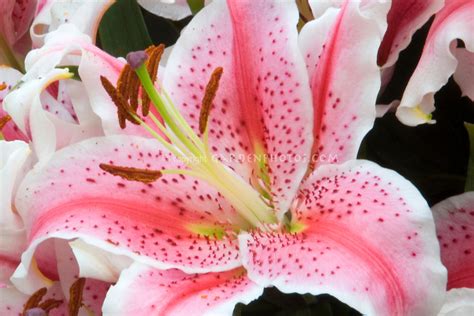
[[34, 300], [124, 110], [75, 296], [154, 53], [132, 174], [123, 80], [3, 86], [4, 120], [50, 304], [209, 95]]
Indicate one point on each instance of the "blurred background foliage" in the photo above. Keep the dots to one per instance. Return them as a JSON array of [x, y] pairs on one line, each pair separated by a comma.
[[434, 157]]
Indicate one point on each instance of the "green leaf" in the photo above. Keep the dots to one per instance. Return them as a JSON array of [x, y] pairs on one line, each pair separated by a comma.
[[470, 168], [123, 29], [195, 5]]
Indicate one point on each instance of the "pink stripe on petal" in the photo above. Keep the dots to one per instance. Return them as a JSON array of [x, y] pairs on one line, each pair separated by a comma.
[[368, 238], [340, 49], [175, 293], [455, 226], [404, 18], [72, 197]]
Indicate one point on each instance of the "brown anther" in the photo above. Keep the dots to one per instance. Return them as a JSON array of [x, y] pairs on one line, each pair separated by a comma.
[[134, 87], [75, 296], [154, 57], [4, 120], [3, 86], [132, 174], [35, 299], [124, 111], [123, 80], [209, 95], [50, 304]]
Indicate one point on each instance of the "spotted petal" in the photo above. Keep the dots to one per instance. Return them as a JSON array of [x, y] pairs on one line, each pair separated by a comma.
[[437, 62], [340, 50], [173, 292], [455, 227], [163, 224], [263, 103], [362, 234]]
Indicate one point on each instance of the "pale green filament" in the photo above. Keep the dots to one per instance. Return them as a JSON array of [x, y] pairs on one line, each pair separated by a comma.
[[195, 153]]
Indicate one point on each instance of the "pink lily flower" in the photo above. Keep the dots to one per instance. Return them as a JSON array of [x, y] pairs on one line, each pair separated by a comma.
[[440, 59], [207, 233], [454, 219]]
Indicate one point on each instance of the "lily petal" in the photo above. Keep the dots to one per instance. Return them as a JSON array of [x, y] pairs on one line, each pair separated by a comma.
[[455, 227], [98, 264], [459, 302], [163, 224], [94, 291], [13, 164], [11, 301], [10, 77], [69, 47], [85, 15], [174, 10], [363, 234], [263, 105], [437, 62], [404, 18], [340, 49], [48, 131], [173, 292], [464, 75]]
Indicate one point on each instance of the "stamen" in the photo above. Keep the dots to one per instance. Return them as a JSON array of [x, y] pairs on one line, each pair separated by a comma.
[[154, 53], [123, 81], [123, 108], [132, 174], [4, 120], [209, 95], [3, 86], [50, 304], [34, 299], [75, 296], [134, 86]]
